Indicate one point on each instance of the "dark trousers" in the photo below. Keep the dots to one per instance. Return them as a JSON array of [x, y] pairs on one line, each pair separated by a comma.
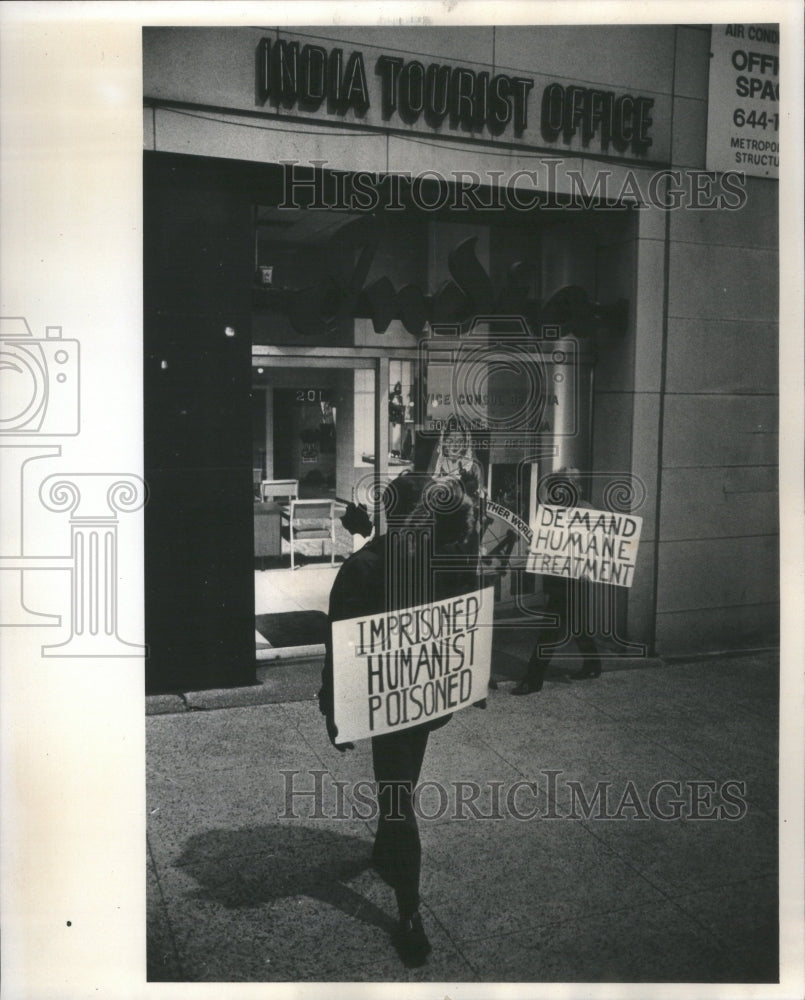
[[576, 592], [397, 759]]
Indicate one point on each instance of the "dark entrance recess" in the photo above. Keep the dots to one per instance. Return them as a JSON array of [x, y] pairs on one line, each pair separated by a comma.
[[198, 263]]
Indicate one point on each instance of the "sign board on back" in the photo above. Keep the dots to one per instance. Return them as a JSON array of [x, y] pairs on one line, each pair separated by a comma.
[[401, 668], [743, 117], [580, 543]]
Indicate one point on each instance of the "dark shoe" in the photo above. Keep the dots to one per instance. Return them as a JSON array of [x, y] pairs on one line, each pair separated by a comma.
[[527, 687], [590, 668], [411, 941]]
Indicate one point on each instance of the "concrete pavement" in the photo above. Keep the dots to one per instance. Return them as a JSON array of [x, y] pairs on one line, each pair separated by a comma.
[[585, 889]]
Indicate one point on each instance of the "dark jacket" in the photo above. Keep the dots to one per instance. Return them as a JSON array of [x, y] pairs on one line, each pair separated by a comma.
[[358, 590]]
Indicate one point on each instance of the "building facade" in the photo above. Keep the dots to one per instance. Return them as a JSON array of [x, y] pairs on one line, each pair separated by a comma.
[[338, 219]]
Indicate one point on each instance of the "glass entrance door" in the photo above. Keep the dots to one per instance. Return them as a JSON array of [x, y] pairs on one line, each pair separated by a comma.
[[314, 437]]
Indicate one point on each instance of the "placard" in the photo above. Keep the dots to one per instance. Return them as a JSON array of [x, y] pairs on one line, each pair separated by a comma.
[[401, 668], [743, 118], [584, 544]]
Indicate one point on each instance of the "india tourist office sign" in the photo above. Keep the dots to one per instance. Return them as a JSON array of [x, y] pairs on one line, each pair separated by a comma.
[[743, 118], [401, 668], [295, 75]]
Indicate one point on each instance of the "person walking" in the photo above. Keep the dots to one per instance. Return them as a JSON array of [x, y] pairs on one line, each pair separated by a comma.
[[364, 587]]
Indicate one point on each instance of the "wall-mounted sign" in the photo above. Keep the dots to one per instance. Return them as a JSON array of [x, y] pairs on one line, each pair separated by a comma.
[[743, 117], [310, 76]]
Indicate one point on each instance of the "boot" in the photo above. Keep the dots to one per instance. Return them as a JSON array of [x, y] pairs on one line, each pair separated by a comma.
[[527, 686], [411, 941]]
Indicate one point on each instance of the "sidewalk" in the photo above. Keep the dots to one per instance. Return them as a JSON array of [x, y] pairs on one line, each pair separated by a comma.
[[236, 893]]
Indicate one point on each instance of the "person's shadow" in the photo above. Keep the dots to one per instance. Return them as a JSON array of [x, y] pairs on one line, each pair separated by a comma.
[[261, 864]]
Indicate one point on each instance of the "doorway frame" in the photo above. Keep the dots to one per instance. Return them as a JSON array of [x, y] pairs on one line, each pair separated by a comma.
[[373, 359]]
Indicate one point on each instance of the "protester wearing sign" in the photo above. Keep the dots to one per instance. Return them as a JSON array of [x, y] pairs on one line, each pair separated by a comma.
[[564, 596], [366, 585]]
